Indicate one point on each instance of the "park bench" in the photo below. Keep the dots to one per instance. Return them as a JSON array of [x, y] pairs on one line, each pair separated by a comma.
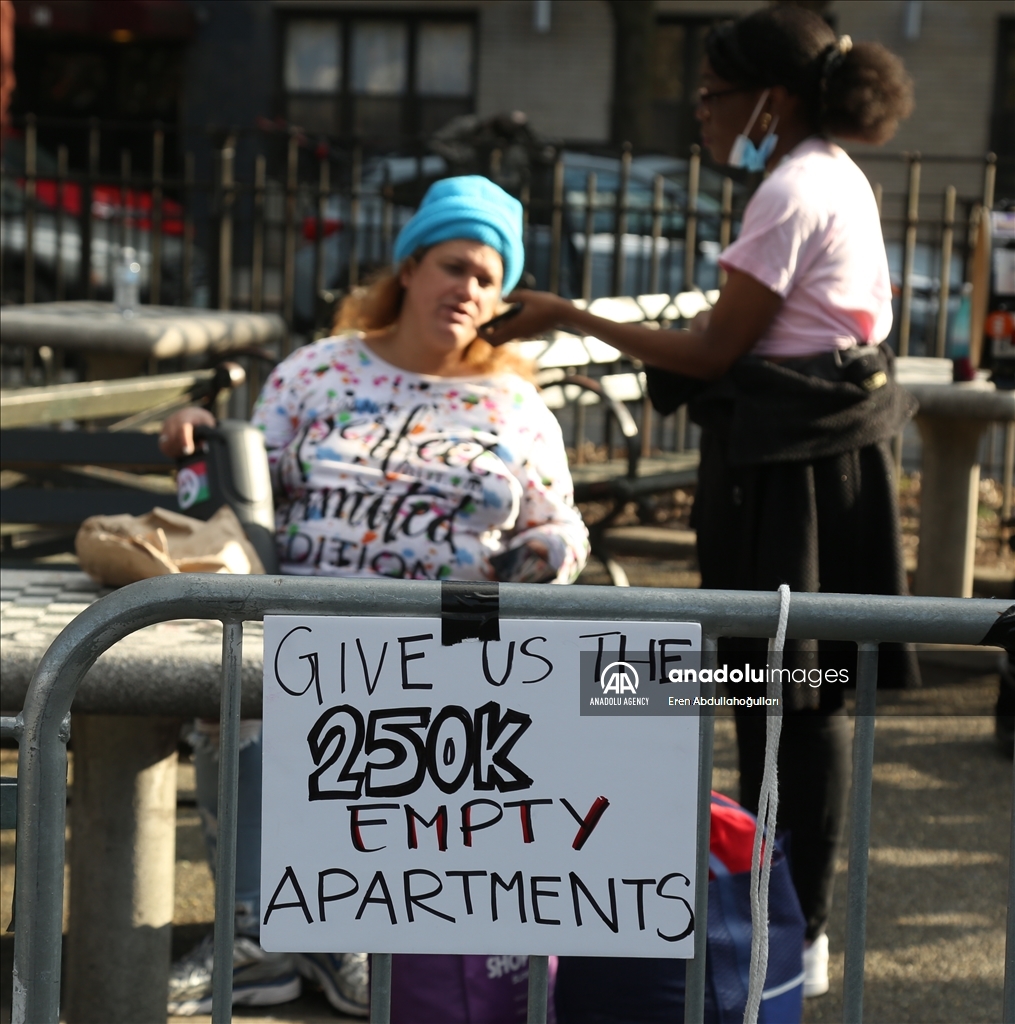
[[577, 374], [52, 479]]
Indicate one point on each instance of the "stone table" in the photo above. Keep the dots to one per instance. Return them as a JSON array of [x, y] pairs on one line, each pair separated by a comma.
[[123, 813], [951, 420], [120, 345]]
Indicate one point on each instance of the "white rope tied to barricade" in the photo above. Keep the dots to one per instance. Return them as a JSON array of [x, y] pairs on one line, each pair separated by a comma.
[[764, 829]]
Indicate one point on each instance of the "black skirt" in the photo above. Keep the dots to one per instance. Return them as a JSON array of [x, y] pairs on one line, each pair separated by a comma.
[[796, 485]]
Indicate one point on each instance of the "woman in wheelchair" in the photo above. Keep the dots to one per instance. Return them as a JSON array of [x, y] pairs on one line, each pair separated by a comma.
[[405, 446]]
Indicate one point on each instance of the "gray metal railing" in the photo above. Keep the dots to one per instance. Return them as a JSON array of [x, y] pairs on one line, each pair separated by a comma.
[[42, 733], [278, 220]]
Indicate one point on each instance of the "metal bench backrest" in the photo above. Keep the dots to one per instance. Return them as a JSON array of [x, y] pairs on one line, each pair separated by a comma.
[[58, 478]]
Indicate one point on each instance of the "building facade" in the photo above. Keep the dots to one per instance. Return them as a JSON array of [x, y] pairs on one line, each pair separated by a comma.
[[555, 61], [288, 85], [397, 69]]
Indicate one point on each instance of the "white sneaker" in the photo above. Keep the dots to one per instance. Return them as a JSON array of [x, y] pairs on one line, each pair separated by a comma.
[[259, 978], [816, 967], [344, 978]]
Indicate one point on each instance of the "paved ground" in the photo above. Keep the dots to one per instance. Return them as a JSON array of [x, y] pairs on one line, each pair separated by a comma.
[[938, 863], [939, 853]]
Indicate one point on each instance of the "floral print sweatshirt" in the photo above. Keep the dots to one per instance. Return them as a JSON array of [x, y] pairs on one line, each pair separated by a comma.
[[378, 471]]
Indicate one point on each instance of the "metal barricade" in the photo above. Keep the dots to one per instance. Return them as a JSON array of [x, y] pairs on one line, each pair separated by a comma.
[[41, 729]]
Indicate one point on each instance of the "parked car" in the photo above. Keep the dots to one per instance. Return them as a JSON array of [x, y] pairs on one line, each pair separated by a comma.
[[119, 217]]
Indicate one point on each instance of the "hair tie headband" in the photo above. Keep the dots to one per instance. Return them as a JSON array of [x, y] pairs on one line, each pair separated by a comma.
[[834, 55]]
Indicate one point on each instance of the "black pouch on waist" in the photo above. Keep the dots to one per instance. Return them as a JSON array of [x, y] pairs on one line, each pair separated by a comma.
[[669, 391]]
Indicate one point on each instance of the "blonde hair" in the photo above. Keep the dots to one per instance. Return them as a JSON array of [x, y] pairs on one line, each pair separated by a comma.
[[378, 304]]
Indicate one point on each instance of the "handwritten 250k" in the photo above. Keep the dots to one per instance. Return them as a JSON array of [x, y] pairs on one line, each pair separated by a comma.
[[402, 746]]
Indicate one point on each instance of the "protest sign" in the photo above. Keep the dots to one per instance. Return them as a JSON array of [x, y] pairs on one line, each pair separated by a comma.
[[527, 795]]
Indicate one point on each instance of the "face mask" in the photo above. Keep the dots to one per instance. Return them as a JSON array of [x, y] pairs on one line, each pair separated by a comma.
[[743, 152]]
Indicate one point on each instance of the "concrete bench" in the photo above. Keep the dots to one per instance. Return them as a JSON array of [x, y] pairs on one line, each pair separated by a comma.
[[570, 375], [126, 722]]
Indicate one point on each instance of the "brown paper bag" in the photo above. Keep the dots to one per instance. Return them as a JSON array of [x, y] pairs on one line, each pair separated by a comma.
[[116, 550]]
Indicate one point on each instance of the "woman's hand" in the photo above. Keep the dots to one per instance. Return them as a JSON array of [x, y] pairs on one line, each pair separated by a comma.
[[177, 437], [525, 564], [540, 312]]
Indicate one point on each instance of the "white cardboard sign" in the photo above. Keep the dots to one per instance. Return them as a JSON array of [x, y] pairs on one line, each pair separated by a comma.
[[475, 798]]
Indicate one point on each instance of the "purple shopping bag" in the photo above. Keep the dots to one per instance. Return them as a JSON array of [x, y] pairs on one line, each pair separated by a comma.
[[449, 989]]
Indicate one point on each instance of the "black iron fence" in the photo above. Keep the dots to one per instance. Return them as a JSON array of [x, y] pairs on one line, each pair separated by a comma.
[[272, 219]]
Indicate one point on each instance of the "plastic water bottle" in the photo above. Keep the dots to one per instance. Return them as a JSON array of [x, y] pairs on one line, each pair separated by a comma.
[[959, 342], [127, 282]]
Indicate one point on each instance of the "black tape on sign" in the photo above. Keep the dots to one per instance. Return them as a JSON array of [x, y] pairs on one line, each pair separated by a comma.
[[1002, 633], [469, 611]]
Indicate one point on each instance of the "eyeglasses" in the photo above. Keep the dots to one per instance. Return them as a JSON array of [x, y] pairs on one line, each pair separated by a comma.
[[706, 96]]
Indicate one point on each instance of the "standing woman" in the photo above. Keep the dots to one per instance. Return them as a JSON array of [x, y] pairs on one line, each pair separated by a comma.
[[793, 386]]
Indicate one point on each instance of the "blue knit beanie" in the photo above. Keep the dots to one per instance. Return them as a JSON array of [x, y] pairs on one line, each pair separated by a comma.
[[472, 207]]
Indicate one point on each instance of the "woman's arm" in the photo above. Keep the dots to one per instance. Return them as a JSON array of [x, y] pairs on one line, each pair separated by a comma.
[[276, 415], [548, 521], [712, 345]]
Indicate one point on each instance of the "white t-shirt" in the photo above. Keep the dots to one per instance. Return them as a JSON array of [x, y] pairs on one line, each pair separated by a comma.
[[811, 233], [381, 472]]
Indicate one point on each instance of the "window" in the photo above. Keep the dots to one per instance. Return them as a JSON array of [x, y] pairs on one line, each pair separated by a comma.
[[379, 74], [1002, 140], [444, 73], [378, 58], [313, 58], [676, 57], [668, 71], [378, 78], [312, 72]]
